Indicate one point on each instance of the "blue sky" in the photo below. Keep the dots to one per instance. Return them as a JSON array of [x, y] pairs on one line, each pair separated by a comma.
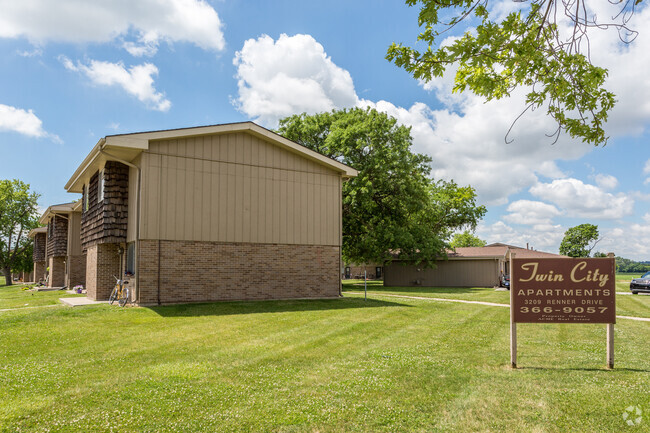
[[75, 71]]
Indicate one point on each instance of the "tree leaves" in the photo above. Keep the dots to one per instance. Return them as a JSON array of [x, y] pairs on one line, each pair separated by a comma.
[[18, 215], [392, 206], [466, 239], [518, 51], [577, 240]]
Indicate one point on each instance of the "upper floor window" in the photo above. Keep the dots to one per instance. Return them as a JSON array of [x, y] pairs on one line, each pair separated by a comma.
[[86, 199], [100, 186]]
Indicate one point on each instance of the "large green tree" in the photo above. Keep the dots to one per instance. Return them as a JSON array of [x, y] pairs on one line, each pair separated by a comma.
[[528, 48], [466, 239], [18, 215], [392, 205], [579, 240]]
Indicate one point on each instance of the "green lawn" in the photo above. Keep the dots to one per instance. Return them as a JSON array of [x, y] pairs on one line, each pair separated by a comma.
[[16, 297], [348, 365]]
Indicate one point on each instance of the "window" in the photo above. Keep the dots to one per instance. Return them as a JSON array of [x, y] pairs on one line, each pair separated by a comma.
[[100, 186], [130, 258], [378, 272], [85, 198], [347, 272]]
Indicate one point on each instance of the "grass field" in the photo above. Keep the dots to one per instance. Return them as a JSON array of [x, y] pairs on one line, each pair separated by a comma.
[[382, 365]]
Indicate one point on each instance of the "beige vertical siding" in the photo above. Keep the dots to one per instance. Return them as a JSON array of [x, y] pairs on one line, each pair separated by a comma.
[[74, 234], [237, 188], [452, 273], [132, 201]]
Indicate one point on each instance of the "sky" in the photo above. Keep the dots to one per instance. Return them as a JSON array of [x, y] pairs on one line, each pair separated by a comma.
[[75, 71]]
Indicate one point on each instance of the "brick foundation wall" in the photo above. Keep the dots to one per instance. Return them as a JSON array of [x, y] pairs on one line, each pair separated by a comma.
[[102, 262], [214, 271], [76, 271], [39, 271], [57, 272]]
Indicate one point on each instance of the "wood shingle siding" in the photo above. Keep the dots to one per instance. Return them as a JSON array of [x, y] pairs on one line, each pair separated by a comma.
[[106, 221], [57, 237], [40, 239]]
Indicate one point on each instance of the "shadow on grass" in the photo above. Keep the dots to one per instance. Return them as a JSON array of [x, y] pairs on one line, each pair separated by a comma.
[[378, 286], [633, 370], [258, 307]]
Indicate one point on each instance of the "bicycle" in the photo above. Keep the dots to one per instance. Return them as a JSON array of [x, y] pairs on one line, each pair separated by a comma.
[[120, 292]]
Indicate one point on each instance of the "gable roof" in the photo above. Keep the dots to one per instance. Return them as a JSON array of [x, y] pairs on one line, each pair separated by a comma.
[[128, 146], [34, 232], [499, 250], [55, 209]]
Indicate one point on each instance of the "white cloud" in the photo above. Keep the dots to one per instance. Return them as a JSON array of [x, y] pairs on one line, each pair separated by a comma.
[[136, 81], [631, 241], [148, 21], [33, 53], [470, 147], [534, 213], [466, 138], [646, 170], [606, 181], [584, 200], [543, 237], [294, 75], [23, 122], [289, 76]]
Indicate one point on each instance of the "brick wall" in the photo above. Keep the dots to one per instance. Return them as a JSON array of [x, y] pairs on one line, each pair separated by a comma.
[[57, 237], [39, 271], [40, 240], [102, 262], [57, 272], [214, 271], [106, 221], [76, 270]]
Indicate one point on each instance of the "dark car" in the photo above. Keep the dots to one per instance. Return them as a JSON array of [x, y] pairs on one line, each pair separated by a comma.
[[641, 284], [504, 281]]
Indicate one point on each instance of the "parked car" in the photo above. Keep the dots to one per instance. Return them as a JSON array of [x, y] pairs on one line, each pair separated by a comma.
[[504, 281], [640, 284]]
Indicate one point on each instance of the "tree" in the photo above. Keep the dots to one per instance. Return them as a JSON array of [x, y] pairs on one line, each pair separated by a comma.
[[528, 48], [18, 215], [392, 205], [579, 240], [627, 265], [466, 239]]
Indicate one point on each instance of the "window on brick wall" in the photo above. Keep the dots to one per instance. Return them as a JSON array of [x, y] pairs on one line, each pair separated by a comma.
[[130, 258], [86, 197], [378, 272], [100, 186]]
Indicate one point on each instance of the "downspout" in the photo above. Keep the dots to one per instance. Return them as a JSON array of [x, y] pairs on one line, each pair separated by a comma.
[[137, 220]]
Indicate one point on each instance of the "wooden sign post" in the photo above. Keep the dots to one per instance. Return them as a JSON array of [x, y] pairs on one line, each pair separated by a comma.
[[563, 290]]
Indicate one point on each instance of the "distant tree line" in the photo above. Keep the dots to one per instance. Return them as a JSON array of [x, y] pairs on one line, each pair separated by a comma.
[[627, 265]]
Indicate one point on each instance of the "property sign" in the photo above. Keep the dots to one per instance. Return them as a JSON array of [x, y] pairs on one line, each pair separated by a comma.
[[563, 290]]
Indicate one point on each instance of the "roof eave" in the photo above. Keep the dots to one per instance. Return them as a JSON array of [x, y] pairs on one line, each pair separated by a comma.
[[70, 186]]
